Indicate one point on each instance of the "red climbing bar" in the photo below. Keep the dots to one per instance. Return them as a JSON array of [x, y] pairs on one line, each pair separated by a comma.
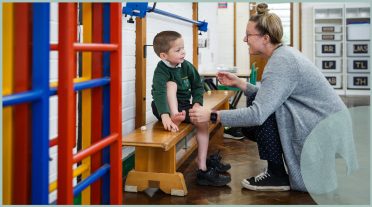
[[97, 100], [89, 47], [21, 113], [115, 105], [95, 148], [66, 100]]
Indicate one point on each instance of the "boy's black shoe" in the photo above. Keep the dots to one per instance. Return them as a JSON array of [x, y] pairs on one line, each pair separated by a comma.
[[267, 181], [211, 177], [214, 161], [233, 133]]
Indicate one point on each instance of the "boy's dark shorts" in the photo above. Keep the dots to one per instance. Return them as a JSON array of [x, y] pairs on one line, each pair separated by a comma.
[[181, 107]]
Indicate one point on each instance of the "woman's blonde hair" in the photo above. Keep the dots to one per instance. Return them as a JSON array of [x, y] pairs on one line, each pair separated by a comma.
[[268, 23]]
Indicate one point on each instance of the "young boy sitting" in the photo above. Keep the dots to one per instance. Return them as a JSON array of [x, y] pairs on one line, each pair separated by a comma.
[[175, 82]]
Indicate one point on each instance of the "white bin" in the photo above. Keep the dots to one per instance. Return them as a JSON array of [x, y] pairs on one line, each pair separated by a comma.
[[332, 49], [328, 13], [358, 65], [358, 81], [360, 48], [329, 64], [358, 32], [362, 12], [334, 79]]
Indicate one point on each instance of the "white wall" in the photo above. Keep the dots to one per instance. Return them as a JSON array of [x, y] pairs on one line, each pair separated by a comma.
[[208, 56], [296, 16], [53, 101], [225, 29], [128, 80], [307, 29], [128, 75], [242, 52]]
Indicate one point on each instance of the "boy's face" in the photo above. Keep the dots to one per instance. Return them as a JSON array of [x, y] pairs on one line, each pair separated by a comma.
[[176, 53]]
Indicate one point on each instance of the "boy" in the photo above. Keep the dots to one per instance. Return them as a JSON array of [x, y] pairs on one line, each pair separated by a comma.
[[175, 82]]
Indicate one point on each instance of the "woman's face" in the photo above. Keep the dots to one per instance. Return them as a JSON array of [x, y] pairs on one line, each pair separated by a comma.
[[254, 39]]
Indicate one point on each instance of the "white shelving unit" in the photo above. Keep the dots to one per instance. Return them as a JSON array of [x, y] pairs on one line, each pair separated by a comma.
[[341, 46], [357, 23]]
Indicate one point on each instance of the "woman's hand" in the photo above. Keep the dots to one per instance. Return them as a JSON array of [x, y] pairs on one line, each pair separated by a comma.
[[196, 105], [228, 79], [199, 114]]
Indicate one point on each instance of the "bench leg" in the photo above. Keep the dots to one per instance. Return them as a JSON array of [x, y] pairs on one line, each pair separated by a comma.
[[156, 168], [173, 184]]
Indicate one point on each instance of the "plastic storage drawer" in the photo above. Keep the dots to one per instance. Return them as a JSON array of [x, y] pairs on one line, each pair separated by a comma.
[[329, 64], [360, 48], [334, 79], [358, 64], [324, 49], [358, 32]]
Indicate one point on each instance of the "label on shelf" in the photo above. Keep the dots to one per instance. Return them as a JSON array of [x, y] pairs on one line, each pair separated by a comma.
[[334, 79], [360, 64], [329, 64], [358, 48], [328, 28], [328, 37], [328, 49], [358, 81]]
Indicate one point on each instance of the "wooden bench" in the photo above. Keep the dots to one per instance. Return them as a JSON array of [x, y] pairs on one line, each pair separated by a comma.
[[159, 153]]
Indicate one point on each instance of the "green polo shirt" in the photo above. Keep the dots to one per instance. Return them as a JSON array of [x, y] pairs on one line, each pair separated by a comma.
[[188, 85]]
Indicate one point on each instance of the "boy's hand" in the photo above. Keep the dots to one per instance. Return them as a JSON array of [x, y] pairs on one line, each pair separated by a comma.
[[168, 123]]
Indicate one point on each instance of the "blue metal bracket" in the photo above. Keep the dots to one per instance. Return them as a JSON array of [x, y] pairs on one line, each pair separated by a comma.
[[140, 10], [135, 9]]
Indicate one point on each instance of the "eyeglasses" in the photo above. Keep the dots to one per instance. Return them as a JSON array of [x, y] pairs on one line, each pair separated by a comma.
[[249, 35]]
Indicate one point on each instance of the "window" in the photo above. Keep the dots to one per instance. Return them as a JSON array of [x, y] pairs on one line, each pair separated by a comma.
[[283, 10]]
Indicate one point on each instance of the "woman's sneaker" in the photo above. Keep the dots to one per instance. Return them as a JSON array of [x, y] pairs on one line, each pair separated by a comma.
[[214, 161], [211, 177], [267, 181], [233, 133]]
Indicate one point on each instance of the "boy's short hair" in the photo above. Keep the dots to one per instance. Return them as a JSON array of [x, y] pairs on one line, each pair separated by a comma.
[[162, 41]]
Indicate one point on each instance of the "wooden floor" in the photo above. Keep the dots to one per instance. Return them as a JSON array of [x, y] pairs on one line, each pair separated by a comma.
[[243, 156]]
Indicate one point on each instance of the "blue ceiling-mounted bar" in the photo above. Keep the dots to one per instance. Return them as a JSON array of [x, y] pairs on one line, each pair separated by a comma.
[[140, 10]]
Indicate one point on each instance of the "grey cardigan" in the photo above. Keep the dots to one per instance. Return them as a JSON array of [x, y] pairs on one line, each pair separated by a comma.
[[295, 89]]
